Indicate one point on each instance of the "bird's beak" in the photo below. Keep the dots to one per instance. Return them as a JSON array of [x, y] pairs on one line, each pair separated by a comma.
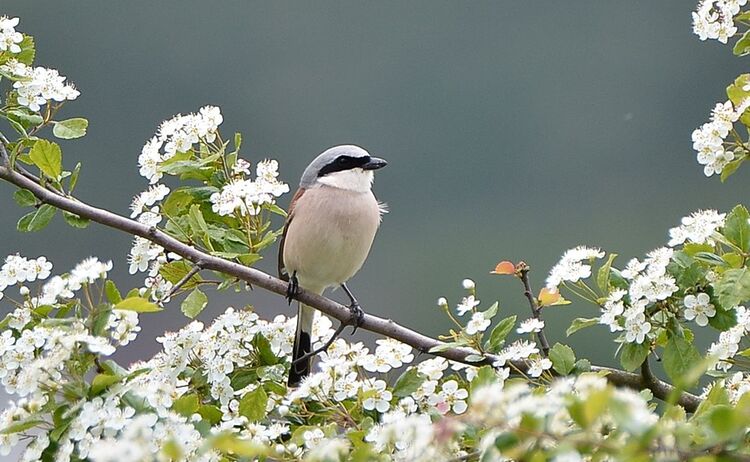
[[375, 163]]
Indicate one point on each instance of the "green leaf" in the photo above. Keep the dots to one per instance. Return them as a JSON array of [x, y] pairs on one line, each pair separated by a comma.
[[48, 157], [679, 356], [186, 405], [101, 382], [692, 248], [36, 220], [498, 334], [485, 375], [633, 355], [733, 288], [73, 181], [75, 221], [710, 258], [70, 129], [580, 323], [408, 382], [491, 311], [21, 426], [137, 304], [244, 449], [113, 295], [730, 168], [723, 320], [690, 276], [26, 56], [602, 276], [25, 198], [25, 118], [742, 47], [446, 346], [211, 413], [253, 405], [563, 359], [737, 228], [194, 303]]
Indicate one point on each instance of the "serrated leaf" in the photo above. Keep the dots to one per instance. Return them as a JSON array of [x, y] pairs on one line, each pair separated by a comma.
[[253, 405], [71, 128], [210, 413], [176, 270], [737, 229], [113, 294], [75, 221], [563, 358], [733, 288], [491, 311], [194, 303], [137, 304], [602, 276], [499, 332], [25, 198], [445, 346], [408, 383], [36, 220], [632, 355], [26, 56], [186, 405], [723, 320], [48, 157], [580, 323], [678, 357]]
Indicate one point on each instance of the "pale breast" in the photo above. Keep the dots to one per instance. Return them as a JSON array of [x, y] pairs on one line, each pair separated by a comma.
[[330, 235]]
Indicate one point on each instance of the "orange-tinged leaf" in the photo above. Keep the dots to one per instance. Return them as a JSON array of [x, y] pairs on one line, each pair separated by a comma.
[[505, 267], [551, 297], [548, 296]]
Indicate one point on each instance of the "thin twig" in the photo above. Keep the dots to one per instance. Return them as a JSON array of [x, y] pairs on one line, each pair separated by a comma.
[[197, 267], [325, 305], [522, 270]]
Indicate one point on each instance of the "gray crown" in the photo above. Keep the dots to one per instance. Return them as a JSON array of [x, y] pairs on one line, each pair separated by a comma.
[[310, 176]]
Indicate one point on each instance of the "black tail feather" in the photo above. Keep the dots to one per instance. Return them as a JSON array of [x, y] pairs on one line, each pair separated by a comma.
[[300, 370]]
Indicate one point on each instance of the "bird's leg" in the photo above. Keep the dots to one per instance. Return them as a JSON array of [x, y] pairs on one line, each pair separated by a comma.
[[292, 290], [357, 314]]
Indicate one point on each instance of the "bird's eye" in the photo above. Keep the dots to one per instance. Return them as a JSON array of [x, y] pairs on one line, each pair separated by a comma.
[[342, 160]]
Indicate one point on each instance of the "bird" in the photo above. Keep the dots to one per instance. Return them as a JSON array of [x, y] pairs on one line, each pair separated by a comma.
[[329, 229]]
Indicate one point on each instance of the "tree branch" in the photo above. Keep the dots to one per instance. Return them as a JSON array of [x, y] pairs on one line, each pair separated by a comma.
[[325, 305], [522, 270]]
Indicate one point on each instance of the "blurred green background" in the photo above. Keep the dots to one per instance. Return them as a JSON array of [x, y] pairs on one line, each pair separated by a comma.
[[514, 130]]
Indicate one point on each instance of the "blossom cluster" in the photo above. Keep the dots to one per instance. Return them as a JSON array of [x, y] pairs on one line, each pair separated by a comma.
[[9, 37], [710, 142], [714, 19], [246, 196], [178, 135], [571, 266], [36, 86]]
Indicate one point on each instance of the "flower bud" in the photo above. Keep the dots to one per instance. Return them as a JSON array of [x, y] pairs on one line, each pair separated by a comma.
[[442, 302], [24, 290], [468, 284]]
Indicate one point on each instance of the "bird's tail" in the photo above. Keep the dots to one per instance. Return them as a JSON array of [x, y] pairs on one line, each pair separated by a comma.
[[302, 345]]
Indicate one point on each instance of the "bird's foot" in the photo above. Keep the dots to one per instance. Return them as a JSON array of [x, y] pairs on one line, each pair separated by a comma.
[[357, 316], [292, 290]]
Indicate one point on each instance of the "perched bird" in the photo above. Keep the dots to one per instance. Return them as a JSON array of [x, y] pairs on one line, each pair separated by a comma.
[[328, 233]]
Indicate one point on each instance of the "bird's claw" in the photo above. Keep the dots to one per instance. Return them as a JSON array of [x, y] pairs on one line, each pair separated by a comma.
[[292, 290], [357, 316]]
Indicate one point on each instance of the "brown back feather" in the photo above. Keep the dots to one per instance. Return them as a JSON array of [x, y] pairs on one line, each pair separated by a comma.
[[282, 271]]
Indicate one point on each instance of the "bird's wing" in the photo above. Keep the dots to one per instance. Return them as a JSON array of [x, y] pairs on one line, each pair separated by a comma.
[[282, 271]]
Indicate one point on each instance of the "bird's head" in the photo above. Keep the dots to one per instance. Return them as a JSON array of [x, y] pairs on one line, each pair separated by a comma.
[[345, 167]]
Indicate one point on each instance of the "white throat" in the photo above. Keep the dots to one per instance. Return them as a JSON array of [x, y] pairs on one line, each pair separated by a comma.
[[356, 179]]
